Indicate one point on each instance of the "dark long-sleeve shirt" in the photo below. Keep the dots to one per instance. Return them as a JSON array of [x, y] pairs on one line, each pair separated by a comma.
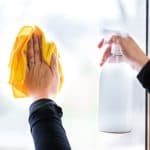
[[46, 126], [45, 119], [144, 76]]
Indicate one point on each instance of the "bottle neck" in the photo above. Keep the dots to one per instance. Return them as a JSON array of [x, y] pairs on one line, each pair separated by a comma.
[[116, 54], [116, 50], [116, 59]]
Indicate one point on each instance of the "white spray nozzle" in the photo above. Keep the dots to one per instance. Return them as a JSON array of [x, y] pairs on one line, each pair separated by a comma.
[[108, 34]]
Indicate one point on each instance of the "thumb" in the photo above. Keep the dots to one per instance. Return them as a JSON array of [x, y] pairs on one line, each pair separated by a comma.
[[106, 55], [101, 43]]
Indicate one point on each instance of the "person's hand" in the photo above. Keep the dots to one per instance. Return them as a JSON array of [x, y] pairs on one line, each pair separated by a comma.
[[133, 53], [41, 80]]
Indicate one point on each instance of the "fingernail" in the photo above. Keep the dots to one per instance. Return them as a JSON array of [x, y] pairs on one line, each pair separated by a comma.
[[101, 64], [34, 35], [117, 41], [30, 42], [53, 57], [113, 39], [101, 43]]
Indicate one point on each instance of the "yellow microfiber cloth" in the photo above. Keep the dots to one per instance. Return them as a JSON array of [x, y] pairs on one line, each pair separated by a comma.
[[18, 61]]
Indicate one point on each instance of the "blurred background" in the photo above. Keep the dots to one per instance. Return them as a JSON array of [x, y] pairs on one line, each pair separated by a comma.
[[77, 27]]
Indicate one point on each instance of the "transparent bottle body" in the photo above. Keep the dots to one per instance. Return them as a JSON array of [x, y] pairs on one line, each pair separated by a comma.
[[115, 96]]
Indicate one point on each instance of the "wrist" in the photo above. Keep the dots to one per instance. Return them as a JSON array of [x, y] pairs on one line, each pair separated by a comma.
[[143, 60], [40, 96]]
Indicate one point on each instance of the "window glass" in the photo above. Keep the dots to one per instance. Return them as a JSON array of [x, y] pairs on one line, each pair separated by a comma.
[[76, 26]]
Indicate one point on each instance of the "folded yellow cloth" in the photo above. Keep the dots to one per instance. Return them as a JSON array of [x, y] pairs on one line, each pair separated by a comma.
[[18, 61]]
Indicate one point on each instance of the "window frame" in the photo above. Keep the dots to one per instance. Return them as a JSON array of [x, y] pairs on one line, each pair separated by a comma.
[[147, 96]]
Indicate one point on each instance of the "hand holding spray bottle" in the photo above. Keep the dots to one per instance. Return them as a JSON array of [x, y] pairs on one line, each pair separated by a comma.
[[115, 93]]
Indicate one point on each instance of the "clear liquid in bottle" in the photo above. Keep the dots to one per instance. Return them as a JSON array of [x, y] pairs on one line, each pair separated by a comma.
[[115, 94]]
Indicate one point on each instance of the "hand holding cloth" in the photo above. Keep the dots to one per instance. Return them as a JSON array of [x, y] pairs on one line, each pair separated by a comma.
[[18, 60]]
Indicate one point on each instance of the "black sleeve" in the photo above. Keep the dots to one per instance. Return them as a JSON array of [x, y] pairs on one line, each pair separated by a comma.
[[144, 76], [46, 126]]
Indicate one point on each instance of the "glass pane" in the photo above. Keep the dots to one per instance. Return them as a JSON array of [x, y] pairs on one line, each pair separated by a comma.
[[76, 26]]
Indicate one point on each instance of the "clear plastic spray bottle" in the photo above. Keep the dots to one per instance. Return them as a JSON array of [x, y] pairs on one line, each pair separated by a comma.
[[115, 94]]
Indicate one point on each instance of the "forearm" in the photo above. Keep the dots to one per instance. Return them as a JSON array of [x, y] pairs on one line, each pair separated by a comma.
[[46, 126]]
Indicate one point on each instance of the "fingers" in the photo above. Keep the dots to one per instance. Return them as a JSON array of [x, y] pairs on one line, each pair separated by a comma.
[[37, 49], [123, 41], [114, 39], [54, 64], [106, 55], [101, 43], [34, 51], [30, 54]]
